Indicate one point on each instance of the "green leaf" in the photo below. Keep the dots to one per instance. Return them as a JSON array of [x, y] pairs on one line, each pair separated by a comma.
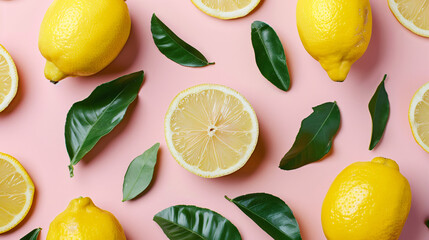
[[379, 108], [191, 223], [175, 48], [270, 213], [270, 55], [427, 223], [92, 118], [139, 173], [32, 235], [314, 139]]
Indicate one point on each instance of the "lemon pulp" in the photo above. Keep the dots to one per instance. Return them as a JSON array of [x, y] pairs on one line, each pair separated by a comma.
[[8, 79], [16, 192], [211, 130]]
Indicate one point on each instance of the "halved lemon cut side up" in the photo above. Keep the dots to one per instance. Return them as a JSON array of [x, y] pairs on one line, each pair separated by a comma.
[[412, 14], [8, 79], [419, 116], [226, 9], [211, 130], [16, 192]]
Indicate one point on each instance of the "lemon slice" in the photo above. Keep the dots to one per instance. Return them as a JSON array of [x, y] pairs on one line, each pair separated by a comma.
[[226, 9], [412, 14], [8, 79], [419, 116], [211, 130], [16, 192]]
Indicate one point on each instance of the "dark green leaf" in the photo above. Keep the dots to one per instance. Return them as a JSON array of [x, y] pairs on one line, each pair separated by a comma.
[[379, 108], [139, 173], [270, 55], [314, 139], [175, 48], [32, 235], [92, 118], [427, 223], [193, 223], [270, 213]]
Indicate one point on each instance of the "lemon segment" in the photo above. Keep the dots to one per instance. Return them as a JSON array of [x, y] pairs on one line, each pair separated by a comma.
[[412, 14], [226, 9], [418, 116], [8, 79], [16, 192], [211, 130]]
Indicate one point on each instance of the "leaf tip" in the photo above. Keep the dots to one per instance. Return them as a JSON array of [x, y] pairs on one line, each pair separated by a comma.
[[227, 198], [211, 63]]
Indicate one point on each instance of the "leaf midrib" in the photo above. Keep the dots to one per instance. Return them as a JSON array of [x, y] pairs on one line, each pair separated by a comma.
[[98, 119], [259, 217], [321, 126], [178, 225], [258, 31], [173, 39]]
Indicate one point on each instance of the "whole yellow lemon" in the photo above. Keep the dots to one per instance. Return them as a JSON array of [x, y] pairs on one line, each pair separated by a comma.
[[335, 32], [82, 220], [367, 201], [81, 37]]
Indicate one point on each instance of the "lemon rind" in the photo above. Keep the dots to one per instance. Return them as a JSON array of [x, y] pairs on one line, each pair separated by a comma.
[[194, 169]]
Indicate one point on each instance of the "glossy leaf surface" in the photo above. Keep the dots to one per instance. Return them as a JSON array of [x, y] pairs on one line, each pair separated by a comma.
[[183, 222], [33, 235], [92, 118], [379, 108], [175, 48], [314, 139], [271, 214], [270, 56], [139, 173]]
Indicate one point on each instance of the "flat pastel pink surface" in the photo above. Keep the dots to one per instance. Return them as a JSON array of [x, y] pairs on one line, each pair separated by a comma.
[[32, 128]]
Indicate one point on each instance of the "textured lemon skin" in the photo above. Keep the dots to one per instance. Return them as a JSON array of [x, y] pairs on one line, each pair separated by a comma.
[[367, 201], [81, 37], [335, 32], [82, 220]]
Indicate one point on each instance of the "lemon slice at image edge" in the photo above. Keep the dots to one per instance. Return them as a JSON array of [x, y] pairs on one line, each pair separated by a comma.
[[211, 130], [16, 192], [226, 9], [8, 79], [418, 116], [412, 14]]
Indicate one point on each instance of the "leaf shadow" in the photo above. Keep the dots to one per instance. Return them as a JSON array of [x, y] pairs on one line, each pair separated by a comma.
[[127, 56], [109, 138], [155, 174], [19, 94]]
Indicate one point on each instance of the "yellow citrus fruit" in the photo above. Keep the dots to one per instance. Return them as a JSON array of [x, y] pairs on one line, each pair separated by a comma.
[[418, 116], [211, 130], [82, 220], [412, 14], [8, 79], [367, 200], [335, 32], [226, 9], [16, 192], [81, 37]]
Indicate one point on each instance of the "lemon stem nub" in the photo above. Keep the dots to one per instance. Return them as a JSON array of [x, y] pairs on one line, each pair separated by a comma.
[[53, 73]]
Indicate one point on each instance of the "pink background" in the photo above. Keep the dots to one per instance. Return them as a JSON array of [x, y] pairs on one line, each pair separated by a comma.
[[32, 128]]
